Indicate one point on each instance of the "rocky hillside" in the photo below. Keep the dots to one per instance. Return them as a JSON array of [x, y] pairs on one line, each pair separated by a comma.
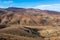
[[29, 24], [24, 16]]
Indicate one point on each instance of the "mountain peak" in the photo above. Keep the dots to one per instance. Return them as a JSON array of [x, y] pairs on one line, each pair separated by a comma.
[[14, 8]]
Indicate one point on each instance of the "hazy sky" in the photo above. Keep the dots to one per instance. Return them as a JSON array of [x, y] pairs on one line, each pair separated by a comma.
[[40, 4]]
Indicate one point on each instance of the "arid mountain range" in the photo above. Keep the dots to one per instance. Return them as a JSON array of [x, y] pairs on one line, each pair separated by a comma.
[[30, 16], [29, 24]]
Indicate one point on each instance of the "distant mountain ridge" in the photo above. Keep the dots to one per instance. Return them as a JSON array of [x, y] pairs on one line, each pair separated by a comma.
[[15, 9]]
